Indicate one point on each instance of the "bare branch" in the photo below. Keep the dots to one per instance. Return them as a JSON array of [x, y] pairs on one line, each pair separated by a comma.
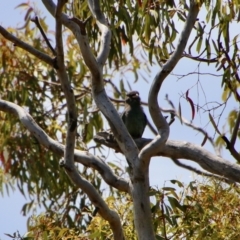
[[207, 160], [199, 172], [231, 148], [109, 215], [81, 39], [68, 92], [119, 129], [36, 21], [154, 109], [17, 42], [82, 157], [99, 94], [106, 33], [187, 151], [103, 209]]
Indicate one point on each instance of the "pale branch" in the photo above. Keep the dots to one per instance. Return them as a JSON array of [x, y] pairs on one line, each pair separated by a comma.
[[139, 177], [19, 43], [105, 32], [99, 93], [184, 150], [103, 209], [80, 36], [68, 93], [154, 109], [82, 157], [199, 172], [208, 161], [109, 215], [68, 162]]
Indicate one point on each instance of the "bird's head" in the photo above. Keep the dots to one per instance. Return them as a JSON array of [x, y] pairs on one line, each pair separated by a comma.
[[133, 98]]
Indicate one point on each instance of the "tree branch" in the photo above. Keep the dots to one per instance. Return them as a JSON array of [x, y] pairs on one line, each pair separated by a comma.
[[199, 172], [99, 94], [184, 150], [106, 107], [82, 157], [105, 32], [154, 109], [103, 209], [80, 36], [231, 148], [36, 21], [98, 90], [17, 42], [68, 92]]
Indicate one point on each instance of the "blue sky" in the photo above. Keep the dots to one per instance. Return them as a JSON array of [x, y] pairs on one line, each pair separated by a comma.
[[161, 169]]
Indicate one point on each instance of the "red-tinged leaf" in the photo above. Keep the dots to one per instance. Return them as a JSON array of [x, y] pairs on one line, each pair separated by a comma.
[[140, 3], [204, 140], [22, 5], [180, 112], [192, 107], [28, 13], [191, 104], [8, 165], [2, 159]]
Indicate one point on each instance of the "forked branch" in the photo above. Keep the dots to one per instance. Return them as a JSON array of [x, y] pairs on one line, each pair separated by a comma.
[[154, 109]]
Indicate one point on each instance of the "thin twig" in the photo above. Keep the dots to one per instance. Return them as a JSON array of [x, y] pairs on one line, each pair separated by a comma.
[[17, 42], [36, 21], [231, 148], [199, 172]]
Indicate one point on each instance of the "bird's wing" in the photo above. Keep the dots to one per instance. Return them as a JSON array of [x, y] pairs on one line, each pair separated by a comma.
[[145, 118], [146, 122], [122, 116]]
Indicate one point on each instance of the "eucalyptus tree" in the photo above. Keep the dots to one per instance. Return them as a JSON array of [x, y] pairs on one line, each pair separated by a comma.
[[54, 99]]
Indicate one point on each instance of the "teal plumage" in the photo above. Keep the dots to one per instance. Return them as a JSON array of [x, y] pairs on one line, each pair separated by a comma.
[[133, 116]]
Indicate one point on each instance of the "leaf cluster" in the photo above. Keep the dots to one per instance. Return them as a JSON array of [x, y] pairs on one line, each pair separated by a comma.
[[201, 210]]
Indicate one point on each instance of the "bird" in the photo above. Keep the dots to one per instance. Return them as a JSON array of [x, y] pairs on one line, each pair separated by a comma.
[[133, 115]]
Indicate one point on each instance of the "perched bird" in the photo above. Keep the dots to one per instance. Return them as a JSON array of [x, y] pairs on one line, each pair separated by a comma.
[[133, 116]]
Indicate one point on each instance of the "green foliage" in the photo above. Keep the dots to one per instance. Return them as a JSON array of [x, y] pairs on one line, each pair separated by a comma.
[[200, 210], [34, 85], [144, 33]]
